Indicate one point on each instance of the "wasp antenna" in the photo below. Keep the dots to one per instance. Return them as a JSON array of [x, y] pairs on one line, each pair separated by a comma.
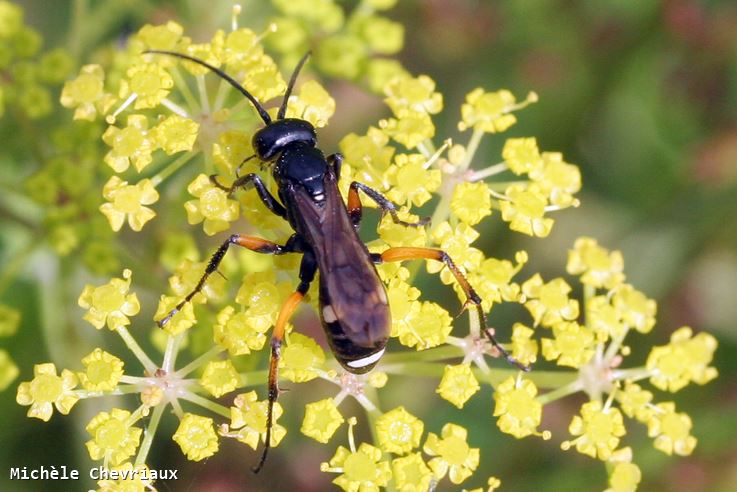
[[292, 81], [261, 111]]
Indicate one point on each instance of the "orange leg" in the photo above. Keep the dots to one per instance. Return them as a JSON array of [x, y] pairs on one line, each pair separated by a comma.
[[253, 243], [277, 338], [408, 253]]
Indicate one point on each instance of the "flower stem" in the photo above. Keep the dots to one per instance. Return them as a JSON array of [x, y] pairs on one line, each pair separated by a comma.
[[172, 167], [488, 172], [207, 356], [131, 343], [561, 392], [149, 434], [172, 349], [205, 403]]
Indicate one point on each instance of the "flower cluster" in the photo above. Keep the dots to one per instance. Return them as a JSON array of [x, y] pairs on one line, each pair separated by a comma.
[[162, 113]]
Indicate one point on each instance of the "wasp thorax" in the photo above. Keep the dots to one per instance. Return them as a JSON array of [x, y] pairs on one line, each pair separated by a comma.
[[274, 137]]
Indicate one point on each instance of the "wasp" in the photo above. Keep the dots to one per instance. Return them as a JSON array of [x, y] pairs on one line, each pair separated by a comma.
[[353, 304]]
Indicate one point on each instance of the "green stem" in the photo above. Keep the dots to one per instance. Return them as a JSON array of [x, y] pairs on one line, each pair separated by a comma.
[[633, 374], [202, 359], [501, 186], [542, 379], [172, 349], [561, 392], [488, 172], [79, 14], [205, 403], [372, 417], [131, 343], [120, 390], [430, 355], [172, 167], [184, 89], [471, 148], [148, 437]]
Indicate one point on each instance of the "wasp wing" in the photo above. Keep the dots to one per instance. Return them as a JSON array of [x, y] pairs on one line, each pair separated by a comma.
[[353, 301]]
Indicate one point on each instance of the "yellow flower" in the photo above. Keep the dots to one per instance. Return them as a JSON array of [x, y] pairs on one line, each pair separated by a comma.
[[47, 390], [148, 83], [322, 419], [263, 297], [429, 328], [471, 202], [113, 437], [262, 78], [220, 377], [671, 430], [624, 476], [368, 155], [413, 94], [525, 210], [685, 359], [130, 145], [453, 455], [524, 347], [599, 430], [87, 93], [411, 474], [604, 319], [635, 401], [636, 310], [102, 371], [572, 346], [409, 180], [127, 201], [548, 302], [522, 155], [313, 103], [241, 45], [558, 180], [409, 128], [457, 243], [493, 280], [161, 37], [490, 111], [458, 384], [597, 266], [181, 320], [176, 134], [196, 437], [212, 206], [234, 332], [230, 149], [110, 303], [186, 277], [248, 419], [519, 412], [398, 431], [395, 234], [301, 359], [361, 470]]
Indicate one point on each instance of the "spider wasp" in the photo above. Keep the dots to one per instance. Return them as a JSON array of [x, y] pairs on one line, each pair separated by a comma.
[[354, 308]]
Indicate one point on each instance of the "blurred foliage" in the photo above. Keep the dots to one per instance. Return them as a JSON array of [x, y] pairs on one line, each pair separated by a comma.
[[642, 95]]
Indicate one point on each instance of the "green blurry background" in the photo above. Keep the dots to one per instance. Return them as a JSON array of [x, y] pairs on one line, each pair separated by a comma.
[[640, 94]]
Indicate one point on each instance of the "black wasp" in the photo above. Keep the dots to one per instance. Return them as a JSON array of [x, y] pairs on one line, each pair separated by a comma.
[[353, 304]]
